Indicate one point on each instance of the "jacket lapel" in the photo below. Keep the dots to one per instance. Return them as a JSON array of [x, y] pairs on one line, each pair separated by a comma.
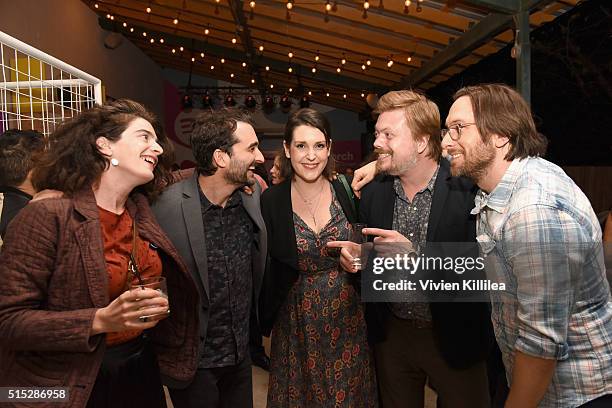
[[89, 238], [192, 217], [440, 193]]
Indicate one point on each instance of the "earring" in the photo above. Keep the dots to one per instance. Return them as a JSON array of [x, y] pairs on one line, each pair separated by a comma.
[[114, 162]]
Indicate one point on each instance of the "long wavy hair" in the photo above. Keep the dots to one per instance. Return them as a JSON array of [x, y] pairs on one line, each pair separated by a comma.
[[73, 162]]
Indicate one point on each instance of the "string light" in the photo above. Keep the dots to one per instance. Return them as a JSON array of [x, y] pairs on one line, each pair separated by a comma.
[[212, 67], [148, 9], [409, 59], [344, 96], [328, 6], [252, 80], [173, 51], [368, 62], [338, 70], [290, 55], [207, 31], [131, 29], [363, 67], [244, 64], [231, 75], [366, 5], [96, 5], [289, 4], [317, 57], [223, 60], [152, 40], [290, 89], [144, 33], [192, 59], [252, 4], [271, 86], [175, 21], [261, 48], [234, 40], [161, 40], [390, 63], [267, 67], [327, 94], [290, 70], [309, 93], [124, 24], [202, 54], [362, 95], [314, 70]]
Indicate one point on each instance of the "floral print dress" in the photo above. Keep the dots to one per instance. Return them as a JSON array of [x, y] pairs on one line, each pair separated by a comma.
[[320, 355]]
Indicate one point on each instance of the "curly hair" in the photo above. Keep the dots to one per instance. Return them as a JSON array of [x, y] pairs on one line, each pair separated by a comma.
[[17, 148], [73, 162], [212, 131], [312, 118]]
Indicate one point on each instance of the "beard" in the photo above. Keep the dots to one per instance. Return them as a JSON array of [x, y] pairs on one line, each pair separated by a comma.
[[395, 169], [476, 164], [238, 174]]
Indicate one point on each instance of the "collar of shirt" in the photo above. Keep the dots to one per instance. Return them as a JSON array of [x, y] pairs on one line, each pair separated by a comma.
[[14, 190], [500, 196], [233, 201], [399, 190]]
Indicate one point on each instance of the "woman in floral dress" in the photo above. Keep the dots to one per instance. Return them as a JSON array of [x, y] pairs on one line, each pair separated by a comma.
[[320, 355]]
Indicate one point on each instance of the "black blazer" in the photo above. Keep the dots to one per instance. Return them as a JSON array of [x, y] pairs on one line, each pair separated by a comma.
[[282, 268], [462, 331]]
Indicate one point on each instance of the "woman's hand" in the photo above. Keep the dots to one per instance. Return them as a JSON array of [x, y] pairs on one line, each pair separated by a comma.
[[125, 312], [363, 176]]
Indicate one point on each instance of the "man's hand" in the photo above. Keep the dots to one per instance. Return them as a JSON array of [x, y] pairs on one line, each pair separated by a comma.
[[363, 176], [348, 252], [388, 243]]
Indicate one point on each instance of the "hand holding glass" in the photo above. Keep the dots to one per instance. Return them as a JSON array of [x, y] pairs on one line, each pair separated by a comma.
[[356, 236], [157, 283]]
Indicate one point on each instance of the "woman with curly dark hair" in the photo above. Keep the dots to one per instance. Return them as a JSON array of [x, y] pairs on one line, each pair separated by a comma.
[[68, 317]]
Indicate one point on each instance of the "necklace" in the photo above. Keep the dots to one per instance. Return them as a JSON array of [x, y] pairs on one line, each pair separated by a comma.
[[310, 203]]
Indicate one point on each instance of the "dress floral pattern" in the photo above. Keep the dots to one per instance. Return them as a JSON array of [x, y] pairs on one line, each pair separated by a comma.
[[320, 355]]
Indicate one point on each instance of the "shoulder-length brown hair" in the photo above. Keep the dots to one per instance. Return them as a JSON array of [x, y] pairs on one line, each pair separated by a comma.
[[312, 118], [73, 162], [499, 109]]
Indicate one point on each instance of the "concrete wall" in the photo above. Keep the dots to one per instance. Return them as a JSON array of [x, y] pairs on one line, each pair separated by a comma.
[[69, 30]]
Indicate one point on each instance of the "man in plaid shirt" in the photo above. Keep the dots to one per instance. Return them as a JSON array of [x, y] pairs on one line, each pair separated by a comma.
[[553, 322]]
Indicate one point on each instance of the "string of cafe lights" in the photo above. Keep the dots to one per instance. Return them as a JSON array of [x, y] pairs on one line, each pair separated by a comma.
[[321, 91]]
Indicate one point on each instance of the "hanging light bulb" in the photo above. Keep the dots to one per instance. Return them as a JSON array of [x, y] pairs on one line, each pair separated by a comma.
[[363, 67], [344, 96], [96, 5], [206, 31], [173, 51], [261, 48], [317, 58], [271, 86], [327, 94], [290, 70], [244, 64], [362, 95], [338, 70], [148, 9], [289, 4], [366, 5], [202, 54], [192, 59], [328, 6], [212, 67], [175, 21], [309, 93], [407, 3], [152, 40], [144, 33], [252, 80], [234, 40], [252, 4], [161, 40], [290, 55], [223, 60], [290, 90], [409, 59], [124, 25], [314, 70], [231, 75], [368, 62], [181, 48], [131, 29], [390, 63], [267, 67], [343, 61]]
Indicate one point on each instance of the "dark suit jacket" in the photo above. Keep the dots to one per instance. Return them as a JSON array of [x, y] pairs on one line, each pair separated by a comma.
[[14, 200], [462, 331], [179, 212], [54, 278], [282, 271]]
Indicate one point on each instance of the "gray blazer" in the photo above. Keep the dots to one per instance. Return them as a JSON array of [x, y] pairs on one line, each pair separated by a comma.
[[179, 213]]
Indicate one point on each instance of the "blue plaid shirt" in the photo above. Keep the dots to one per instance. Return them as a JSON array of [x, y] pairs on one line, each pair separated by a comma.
[[542, 239]]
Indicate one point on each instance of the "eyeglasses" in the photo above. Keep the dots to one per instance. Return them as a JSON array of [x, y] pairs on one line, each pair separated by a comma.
[[454, 131]]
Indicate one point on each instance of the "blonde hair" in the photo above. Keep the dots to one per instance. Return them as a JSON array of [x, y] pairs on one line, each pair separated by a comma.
[[422, 116]]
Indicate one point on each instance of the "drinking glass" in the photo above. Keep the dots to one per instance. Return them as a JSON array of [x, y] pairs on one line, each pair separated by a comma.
[[356, 236], [157, 283]]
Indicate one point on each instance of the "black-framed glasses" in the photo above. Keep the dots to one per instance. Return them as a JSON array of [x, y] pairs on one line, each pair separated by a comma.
[[454, 131]]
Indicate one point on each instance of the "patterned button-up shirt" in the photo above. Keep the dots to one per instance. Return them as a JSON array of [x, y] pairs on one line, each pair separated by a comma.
[[542, 239], [229, 233], [411, 220]]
